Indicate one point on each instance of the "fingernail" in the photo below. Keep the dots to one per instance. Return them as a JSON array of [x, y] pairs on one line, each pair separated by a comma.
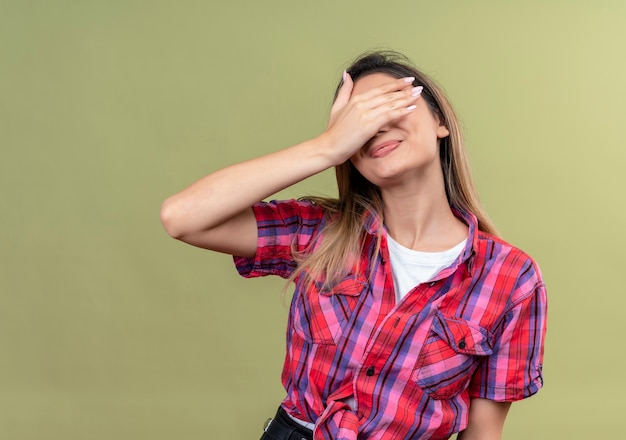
[[411, 107], [416, 91], [345, 74], [409, 79]]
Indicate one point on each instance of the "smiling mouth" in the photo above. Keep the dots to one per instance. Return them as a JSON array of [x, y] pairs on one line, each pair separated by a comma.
[[384, 148]]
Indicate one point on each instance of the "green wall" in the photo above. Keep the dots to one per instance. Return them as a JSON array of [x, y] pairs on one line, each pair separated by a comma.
[[110, 329]]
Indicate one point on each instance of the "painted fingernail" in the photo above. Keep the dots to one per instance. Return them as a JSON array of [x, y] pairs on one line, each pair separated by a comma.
[[409, 79], [411, 107], [416, 91]]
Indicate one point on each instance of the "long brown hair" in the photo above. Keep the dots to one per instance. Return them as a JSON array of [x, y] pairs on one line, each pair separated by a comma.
[[342, 238]]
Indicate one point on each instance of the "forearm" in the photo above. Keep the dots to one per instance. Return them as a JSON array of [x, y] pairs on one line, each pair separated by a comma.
[[214, 212], [223, 194], [476, 434], [486, 420]]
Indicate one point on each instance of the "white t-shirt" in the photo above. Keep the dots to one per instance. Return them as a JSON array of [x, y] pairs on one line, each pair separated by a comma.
[[410, 267]]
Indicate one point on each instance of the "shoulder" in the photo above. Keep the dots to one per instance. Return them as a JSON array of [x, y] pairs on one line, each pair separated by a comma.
[[512, 268], [491, 248]]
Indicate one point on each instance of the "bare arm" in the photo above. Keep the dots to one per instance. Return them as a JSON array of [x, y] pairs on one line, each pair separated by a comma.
[[215, 212], [486, 420]]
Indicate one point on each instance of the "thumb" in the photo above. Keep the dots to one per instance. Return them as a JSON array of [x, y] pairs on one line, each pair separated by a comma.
[[345, 91]]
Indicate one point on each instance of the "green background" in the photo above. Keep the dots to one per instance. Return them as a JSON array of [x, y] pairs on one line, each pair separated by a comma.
[[110, 329]]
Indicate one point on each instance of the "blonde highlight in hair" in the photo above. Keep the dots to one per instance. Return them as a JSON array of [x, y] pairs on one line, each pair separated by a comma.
[[340, 245]]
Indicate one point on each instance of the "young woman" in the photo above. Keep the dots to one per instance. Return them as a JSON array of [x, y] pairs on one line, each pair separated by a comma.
[[410, 318]]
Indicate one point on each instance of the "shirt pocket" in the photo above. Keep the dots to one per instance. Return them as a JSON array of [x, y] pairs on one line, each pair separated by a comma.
[[321, 315], [450, 355]]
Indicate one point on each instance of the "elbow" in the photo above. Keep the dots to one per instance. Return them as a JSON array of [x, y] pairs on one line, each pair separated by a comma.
[[171, 219]]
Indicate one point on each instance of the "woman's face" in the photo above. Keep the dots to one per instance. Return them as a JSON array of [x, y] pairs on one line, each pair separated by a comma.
[[404, 150]]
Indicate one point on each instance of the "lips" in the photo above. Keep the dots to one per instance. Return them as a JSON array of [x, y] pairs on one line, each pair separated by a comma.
[[384, 148]]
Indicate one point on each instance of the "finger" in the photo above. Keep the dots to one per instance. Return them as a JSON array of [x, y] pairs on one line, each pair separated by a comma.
[[392, 110], [390, 87], [391, 100], [393, 114]]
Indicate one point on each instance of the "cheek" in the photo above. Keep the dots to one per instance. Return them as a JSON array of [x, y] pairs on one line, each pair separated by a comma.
[[421, 120]]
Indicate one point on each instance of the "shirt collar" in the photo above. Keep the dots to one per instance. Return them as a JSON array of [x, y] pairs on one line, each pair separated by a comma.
[[467, 255]]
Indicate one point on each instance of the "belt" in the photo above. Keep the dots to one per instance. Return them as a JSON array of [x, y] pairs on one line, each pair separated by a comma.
[[282, 427]]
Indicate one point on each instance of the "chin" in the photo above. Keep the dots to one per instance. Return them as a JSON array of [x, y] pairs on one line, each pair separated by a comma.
[[385, 180]]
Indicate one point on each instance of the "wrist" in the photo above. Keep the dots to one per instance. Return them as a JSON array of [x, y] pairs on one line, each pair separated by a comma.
[[328, 150]]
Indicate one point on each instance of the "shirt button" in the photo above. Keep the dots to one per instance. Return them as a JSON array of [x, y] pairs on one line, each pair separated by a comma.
[[462, 344], [370, 371]]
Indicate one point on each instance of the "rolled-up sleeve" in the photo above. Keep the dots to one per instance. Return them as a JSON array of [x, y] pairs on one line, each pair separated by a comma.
[[514, 370], [284, 228]]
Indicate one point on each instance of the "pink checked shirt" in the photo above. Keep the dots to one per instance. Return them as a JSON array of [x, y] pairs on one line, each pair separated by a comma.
[[475, 330]]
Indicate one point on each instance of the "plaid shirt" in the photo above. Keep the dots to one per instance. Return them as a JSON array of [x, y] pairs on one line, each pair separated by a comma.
[[475, 330]]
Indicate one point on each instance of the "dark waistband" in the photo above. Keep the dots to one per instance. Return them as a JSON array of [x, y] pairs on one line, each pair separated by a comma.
[[283, 427]]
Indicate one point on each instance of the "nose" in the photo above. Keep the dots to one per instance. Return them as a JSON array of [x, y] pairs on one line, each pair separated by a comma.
[[383, 129]]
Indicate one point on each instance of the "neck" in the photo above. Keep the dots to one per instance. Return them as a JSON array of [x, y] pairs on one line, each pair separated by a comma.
[[419, 217]]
